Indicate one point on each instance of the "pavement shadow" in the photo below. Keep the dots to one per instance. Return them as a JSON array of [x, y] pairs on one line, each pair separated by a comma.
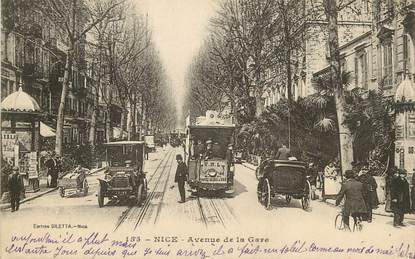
[[238, 188]]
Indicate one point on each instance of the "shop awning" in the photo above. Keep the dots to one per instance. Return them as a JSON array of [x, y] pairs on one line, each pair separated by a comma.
[[46, 131]]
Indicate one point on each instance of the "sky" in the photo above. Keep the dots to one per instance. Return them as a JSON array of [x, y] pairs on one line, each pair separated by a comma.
[[179, 28]]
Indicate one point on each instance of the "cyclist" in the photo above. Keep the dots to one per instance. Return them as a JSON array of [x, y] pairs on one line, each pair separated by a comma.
[[354, 193]]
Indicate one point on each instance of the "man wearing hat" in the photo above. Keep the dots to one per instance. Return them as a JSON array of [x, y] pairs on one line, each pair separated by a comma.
[[354, 194], [399, 191], [181, 177], [209, 151], [283, 153], [370, 186], [16, 187]]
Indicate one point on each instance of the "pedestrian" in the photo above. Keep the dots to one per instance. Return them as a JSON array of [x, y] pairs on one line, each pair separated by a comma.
[[354, 194], [283, 153], [370, 186], [400, 201], [181, 177], [200, 149], [209, 152], [16, 187], [413, 191]]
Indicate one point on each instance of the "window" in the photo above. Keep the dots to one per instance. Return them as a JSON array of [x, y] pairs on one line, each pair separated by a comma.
[[361, 67], [411, 124], [387, 64]]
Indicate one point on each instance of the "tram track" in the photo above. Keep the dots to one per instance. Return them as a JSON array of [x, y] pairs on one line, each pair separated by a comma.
[[214, 211], [134, 213]]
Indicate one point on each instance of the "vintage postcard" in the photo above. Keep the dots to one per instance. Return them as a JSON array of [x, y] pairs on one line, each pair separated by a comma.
[[207, 129]]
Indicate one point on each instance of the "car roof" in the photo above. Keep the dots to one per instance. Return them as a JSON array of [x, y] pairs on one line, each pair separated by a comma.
[[125, 142], [286, 162]]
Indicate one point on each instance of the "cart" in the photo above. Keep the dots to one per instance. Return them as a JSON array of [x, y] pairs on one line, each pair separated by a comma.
[[74, 183]]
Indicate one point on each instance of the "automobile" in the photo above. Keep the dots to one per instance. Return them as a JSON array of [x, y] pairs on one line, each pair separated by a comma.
[[74, 183], [283, 177], [124, 178]]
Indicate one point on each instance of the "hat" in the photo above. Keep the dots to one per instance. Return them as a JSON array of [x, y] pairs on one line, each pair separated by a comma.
[[15, 168], [402, 171], [230, 145], [179, 157], [209, 141], [349, 174]]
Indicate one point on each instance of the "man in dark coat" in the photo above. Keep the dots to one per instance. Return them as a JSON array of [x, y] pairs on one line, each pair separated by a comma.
[[181, 177], [200, 149], [354, 204], [399, 192], [283, 153], [16, 187], [370, 186]]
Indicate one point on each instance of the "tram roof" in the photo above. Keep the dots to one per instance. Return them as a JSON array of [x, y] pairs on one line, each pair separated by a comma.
[[212, 126]]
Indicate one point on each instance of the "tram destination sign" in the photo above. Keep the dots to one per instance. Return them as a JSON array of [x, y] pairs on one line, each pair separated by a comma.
[[213, 171]]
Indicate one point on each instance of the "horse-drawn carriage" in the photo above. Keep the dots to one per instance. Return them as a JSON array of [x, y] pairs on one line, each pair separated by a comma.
[[283, 177]]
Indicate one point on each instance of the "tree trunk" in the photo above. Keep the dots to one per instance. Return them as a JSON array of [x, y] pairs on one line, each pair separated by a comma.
[[122, 123], [108, 129], [93, 128], [61, 110], [345, 136]]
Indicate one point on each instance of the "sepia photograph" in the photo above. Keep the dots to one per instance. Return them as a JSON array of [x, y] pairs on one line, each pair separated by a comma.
[[207, 129]]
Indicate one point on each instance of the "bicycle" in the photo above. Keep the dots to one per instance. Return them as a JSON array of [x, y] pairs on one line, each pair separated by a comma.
[[357, 222]]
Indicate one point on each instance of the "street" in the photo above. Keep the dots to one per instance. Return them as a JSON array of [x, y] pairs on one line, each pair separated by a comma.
[[161, 212]]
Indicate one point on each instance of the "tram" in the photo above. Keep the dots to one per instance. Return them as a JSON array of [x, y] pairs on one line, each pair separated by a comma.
[[209, 153]]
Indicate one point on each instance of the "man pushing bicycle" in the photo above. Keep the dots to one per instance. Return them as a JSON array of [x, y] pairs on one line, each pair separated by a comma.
[[354, 193]]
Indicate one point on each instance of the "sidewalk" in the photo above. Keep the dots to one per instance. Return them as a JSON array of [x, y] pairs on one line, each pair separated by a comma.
[[43, 189], [379, 211]]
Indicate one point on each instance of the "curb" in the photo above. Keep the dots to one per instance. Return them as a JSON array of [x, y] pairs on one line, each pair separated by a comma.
[[7, 205]]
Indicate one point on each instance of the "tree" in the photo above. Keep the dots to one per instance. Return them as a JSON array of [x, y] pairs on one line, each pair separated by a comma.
[[74, 19]]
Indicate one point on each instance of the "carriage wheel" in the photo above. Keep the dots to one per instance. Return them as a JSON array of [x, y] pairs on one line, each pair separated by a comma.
[[305, 200], [85, 187], [62, 192], [100, 196], [266, 194], [288, 198], [338, 222]]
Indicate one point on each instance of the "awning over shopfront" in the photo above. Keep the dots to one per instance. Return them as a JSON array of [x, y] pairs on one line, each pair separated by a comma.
[[46, 131]]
